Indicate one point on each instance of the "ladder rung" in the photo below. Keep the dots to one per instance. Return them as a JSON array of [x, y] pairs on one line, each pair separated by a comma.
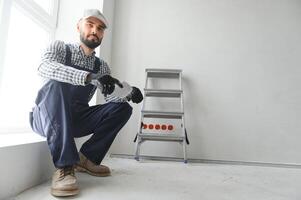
[[163, 70], [159, 114], [162, 93], [160, 137], [163, 73]]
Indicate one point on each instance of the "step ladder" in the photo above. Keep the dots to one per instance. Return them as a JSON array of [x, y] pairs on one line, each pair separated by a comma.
[[142, 136]]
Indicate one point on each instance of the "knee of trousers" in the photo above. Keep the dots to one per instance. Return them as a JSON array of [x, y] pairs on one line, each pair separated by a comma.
[[121, 109], [126, 109], [60, 90], [52, 108], [56, 101], [54, 91]]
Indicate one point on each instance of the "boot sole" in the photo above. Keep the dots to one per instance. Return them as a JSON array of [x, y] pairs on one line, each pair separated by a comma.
[[64, 193], [84, 170]]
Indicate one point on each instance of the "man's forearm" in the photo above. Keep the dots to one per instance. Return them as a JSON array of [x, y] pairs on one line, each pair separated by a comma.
[[57, 71]]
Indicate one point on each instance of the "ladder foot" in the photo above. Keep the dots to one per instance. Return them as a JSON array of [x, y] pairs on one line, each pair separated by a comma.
[[137, 158], [185, 161]]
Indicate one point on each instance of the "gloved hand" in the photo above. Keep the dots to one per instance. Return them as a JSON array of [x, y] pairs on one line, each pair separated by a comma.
[[136, 95], [106, 82]]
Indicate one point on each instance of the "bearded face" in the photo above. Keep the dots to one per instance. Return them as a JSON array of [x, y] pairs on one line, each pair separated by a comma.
[[91, 32], [91, 40]]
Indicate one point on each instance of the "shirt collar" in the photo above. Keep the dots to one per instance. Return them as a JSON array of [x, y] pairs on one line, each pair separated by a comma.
[[80, 50]]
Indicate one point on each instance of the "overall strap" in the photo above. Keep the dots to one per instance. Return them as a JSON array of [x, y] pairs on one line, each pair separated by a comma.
[[68, 56], [97, 64]]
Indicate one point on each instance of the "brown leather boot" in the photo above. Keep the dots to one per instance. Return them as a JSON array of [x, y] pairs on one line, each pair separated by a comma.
[[85, 165], [64, 183]]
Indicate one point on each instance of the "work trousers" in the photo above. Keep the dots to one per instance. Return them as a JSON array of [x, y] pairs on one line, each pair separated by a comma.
[[60, 116]]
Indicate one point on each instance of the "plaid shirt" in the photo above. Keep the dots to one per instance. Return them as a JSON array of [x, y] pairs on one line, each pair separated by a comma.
[[53, 65]]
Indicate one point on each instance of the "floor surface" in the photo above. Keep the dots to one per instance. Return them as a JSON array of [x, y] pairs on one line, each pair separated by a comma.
[[152, 180]]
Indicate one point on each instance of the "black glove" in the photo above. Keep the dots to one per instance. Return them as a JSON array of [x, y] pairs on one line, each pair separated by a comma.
[[136, 95], [107, 82]]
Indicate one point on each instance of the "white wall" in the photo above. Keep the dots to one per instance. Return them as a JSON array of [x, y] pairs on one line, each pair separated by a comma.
[[23, 166], [241, 62]]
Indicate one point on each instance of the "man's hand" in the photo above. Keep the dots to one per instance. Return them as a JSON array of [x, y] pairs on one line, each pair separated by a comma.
[[106, 82], [136, 95]]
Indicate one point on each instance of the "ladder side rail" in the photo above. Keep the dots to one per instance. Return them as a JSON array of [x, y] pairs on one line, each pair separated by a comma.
[[182, 94], [180, 80], [144, 95], [146, 79], [139, 140], [144, 100], [182, 107], [184, 142], [143, 105]]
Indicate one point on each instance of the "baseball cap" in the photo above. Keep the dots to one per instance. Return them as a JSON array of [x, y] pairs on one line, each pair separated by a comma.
[[95, 13]]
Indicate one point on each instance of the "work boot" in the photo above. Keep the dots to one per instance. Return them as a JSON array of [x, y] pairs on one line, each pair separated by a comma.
[[64, 182], [85, 165]]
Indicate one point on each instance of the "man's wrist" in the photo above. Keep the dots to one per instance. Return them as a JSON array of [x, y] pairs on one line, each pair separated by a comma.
[[129, 96], [88, 78]]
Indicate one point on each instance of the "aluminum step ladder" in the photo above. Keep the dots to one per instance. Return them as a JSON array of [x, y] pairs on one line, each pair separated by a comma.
[[142, 136]]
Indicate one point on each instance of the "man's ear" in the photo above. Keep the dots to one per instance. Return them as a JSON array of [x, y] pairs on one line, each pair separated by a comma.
[[78, 26]]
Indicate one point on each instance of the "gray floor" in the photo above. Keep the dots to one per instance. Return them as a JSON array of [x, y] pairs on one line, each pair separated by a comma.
[[150, 180]]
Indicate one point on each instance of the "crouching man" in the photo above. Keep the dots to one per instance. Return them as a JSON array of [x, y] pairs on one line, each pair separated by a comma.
[[72, 73]]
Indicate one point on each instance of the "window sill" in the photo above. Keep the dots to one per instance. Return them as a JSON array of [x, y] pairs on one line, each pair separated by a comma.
[[14, 139]]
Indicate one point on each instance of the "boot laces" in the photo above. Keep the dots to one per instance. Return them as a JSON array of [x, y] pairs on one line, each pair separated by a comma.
[[66, 171]]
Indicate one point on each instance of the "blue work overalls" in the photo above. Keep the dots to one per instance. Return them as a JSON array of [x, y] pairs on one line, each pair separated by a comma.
[[62, 113]]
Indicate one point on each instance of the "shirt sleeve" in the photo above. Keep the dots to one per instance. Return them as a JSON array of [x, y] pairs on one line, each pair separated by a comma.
[[52, 66], [111, 98]]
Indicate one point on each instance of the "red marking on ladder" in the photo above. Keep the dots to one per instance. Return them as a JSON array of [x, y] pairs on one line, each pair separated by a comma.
[[157, 126], [170, 127], [151, 126]]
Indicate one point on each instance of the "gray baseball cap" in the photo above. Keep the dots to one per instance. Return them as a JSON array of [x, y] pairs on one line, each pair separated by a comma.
[[97, 14]]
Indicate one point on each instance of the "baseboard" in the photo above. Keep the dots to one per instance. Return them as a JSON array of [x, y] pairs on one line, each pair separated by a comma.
[[208, 161]]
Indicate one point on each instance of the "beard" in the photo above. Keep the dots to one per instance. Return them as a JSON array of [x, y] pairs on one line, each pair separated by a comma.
[[92, 44]]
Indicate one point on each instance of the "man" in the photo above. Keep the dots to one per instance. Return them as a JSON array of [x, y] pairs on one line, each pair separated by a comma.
[[62, 113]]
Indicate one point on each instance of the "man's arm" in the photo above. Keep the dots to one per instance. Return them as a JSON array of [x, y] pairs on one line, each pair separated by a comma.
[[52, 66]]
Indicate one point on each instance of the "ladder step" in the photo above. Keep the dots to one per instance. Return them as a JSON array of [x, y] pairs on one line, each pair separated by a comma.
[[163, 73], [159, 114], [160, 137], [163, 70], [162, 93]]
